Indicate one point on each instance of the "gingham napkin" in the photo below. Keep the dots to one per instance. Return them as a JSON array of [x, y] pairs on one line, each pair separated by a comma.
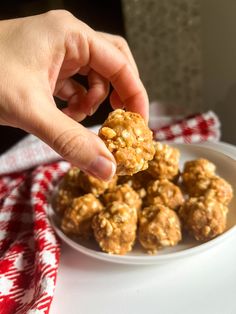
[[29, 250], [193, 129]]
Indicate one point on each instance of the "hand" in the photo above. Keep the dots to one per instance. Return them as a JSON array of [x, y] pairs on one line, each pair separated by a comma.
[[38, 57]]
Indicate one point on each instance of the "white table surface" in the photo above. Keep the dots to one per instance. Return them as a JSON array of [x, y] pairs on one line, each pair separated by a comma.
[[202, 284]]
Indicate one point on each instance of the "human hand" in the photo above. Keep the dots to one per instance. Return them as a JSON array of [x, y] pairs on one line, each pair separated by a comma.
[[38, 56]]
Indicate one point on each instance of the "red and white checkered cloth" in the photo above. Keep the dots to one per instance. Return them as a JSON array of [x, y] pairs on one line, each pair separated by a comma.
[[193, 129], [29, 249]]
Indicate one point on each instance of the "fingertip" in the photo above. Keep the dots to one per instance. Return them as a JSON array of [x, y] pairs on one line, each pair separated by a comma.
[[139, 103], [135, 104]]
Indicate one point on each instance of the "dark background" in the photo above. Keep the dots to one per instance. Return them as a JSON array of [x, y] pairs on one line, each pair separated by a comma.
[[102, 15]]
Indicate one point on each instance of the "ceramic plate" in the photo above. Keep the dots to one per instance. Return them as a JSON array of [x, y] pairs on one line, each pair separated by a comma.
[[226, 168]]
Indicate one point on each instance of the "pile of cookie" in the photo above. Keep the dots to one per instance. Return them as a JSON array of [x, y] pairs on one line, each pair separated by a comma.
[[149, 200]]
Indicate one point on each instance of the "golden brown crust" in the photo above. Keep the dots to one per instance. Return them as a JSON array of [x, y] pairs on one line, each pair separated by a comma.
[[195, 170], [68, 189], [123, 193], [199, 179], [165, 163], [63, 200], [139, 182], [203, 217], [200, 166], [165, 193], [115, 228], [78, 217], [70, 181], [129, 139], [159, 227], [220, 190], [95, 186], [214, 186]]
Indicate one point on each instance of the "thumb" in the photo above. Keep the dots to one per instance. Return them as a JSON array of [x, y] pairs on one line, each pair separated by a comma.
[[73, 142]]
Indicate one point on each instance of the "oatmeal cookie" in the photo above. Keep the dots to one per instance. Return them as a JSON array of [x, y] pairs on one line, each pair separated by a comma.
[[93, 185], [123, 193], [159, 227], [164, 192], [214, 186], [203, 217], [115, 228], [165, 163], [129, 139], [64, 198], [68, 189], [194, 170], [139, 182], [70, 181], [78, 218]]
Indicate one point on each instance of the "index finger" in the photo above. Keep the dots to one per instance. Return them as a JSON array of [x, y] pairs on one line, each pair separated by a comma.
[[109, 62]]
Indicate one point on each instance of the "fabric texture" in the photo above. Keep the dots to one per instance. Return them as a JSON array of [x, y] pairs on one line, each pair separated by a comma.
[[193, 129], [29, 249]]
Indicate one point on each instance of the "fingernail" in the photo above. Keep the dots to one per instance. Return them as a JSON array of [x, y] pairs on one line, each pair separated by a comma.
[[102, 168]]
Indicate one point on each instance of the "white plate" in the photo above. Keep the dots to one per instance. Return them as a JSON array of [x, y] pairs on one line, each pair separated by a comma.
[[226, 168]]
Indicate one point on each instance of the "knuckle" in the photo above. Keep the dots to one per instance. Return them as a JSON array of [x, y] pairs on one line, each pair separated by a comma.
[[55, 14], [121, 41], [59, 18], [59, 22]]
